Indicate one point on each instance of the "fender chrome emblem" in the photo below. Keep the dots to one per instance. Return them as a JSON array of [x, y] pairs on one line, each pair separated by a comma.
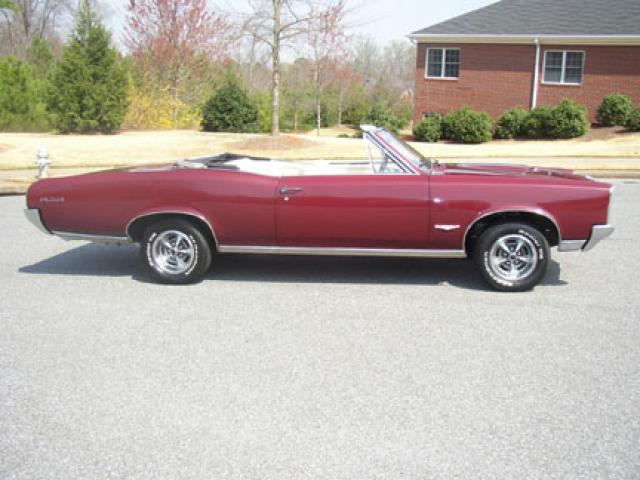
[[446, 228], [51, 199]]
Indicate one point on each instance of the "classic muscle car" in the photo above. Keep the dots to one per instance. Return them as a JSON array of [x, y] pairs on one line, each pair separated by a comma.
[[396, 203]]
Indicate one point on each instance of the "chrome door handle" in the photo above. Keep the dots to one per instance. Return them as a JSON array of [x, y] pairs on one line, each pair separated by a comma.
[[290, 191]]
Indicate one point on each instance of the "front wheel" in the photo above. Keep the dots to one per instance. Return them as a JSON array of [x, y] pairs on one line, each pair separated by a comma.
[[512, 257], [175, 251]]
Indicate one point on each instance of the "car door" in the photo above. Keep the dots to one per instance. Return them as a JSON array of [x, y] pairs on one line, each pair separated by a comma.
[[353, 211]]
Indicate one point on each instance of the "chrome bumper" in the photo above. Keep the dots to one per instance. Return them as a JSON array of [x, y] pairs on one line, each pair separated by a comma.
[[598, 233], [33, 215]]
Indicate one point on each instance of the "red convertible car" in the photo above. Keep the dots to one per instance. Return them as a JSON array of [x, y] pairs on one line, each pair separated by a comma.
[[396, 204]]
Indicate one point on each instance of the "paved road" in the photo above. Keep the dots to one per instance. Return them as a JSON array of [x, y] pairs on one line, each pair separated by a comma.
[[294, 368]]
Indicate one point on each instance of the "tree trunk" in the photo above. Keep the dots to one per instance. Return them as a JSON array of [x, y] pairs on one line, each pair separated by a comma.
[[318, 106], [275, 91], [295, 121], [340, 97]]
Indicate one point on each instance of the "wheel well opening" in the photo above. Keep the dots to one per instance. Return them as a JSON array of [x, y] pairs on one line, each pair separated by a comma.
[[136, 229], [545, 225]]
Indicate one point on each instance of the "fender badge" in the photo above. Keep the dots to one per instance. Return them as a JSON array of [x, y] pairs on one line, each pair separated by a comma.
[[51, 199]]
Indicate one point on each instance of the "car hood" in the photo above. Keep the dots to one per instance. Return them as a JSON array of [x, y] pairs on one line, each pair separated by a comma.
[[505, 170]]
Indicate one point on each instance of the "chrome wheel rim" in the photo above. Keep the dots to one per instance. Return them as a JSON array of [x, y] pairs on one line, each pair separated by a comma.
[[173, 252], [513, 257]]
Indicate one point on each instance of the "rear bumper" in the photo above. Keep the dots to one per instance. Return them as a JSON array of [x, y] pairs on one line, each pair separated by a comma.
[[33, 215], [598, 233]]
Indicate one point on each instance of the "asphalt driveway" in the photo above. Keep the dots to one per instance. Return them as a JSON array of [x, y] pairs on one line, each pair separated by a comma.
[[336, 368]]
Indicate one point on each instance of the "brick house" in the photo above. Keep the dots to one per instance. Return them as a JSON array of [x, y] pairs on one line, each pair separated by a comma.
[[529, 53]]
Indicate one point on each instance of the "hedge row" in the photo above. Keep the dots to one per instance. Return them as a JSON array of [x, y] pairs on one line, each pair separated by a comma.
[[568, 119]]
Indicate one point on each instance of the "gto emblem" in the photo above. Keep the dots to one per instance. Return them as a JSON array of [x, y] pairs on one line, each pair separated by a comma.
[[51, 199]]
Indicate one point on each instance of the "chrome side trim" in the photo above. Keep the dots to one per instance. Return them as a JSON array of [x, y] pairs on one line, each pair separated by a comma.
[[488, 214], [91, 238], [168, 212], [33, 215], [598, 233], [331, 251], [571, 245], [446, 228]]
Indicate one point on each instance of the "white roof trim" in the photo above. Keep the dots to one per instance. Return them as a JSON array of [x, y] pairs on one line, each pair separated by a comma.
[[528, 39]]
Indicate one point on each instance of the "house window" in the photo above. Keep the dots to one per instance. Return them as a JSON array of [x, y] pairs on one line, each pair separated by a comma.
[[443, 62], [563, 67]]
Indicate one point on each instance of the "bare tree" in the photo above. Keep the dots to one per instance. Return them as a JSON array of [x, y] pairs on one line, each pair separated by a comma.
[[399, 65], [344, 79], [326, 39], [366, 57], [276, 23], [29, 19]]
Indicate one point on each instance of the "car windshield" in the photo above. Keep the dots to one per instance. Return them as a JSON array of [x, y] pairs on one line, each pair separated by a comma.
[[407, 151]]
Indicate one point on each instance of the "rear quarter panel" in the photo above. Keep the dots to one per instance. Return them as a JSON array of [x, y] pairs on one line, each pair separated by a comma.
[[237, 205]]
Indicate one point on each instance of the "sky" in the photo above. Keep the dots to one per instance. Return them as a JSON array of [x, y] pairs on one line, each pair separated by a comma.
[[383, 20]]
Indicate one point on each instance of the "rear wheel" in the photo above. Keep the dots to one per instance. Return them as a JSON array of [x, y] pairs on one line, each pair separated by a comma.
[[512, 257], [175, 251]]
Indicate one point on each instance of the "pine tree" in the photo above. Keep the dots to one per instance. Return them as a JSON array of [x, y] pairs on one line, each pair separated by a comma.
[[88, 90], [40, 57]]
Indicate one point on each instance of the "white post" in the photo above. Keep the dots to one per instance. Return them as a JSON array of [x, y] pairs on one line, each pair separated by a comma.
[[536, 74]]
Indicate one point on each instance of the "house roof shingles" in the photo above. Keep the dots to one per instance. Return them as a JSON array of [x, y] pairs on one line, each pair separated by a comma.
[[545, 17]]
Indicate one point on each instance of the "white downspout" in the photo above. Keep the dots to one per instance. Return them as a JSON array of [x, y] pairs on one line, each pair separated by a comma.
[[534, 93]]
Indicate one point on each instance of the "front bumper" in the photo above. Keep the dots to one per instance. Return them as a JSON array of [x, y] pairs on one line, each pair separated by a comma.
[[33, 215], [598, 233]]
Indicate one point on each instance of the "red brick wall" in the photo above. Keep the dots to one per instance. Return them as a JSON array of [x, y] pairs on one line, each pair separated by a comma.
[[606, 70], [494, 78]]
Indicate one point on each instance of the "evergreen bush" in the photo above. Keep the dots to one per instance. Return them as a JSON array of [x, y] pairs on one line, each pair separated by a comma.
[[633, 121], [568, 119], [614, 110], [536, 123], [429, 129], [381, 116], [468, 126], [510, 124], [230, 110], [21, 103]]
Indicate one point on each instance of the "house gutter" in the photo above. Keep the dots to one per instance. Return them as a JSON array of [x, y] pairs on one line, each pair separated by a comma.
[[536, 73], [544, 39]]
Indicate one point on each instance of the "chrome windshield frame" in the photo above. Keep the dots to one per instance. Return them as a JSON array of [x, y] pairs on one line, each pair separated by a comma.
[[373, 136]]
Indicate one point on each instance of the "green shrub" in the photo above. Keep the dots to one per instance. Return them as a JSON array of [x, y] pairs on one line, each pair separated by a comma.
[[633, 122], [230, 110], [445, 128], [568, 120], [511, 123], [382, 116], [429, 129], [536, 124], [468, 126], [614, 110]]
